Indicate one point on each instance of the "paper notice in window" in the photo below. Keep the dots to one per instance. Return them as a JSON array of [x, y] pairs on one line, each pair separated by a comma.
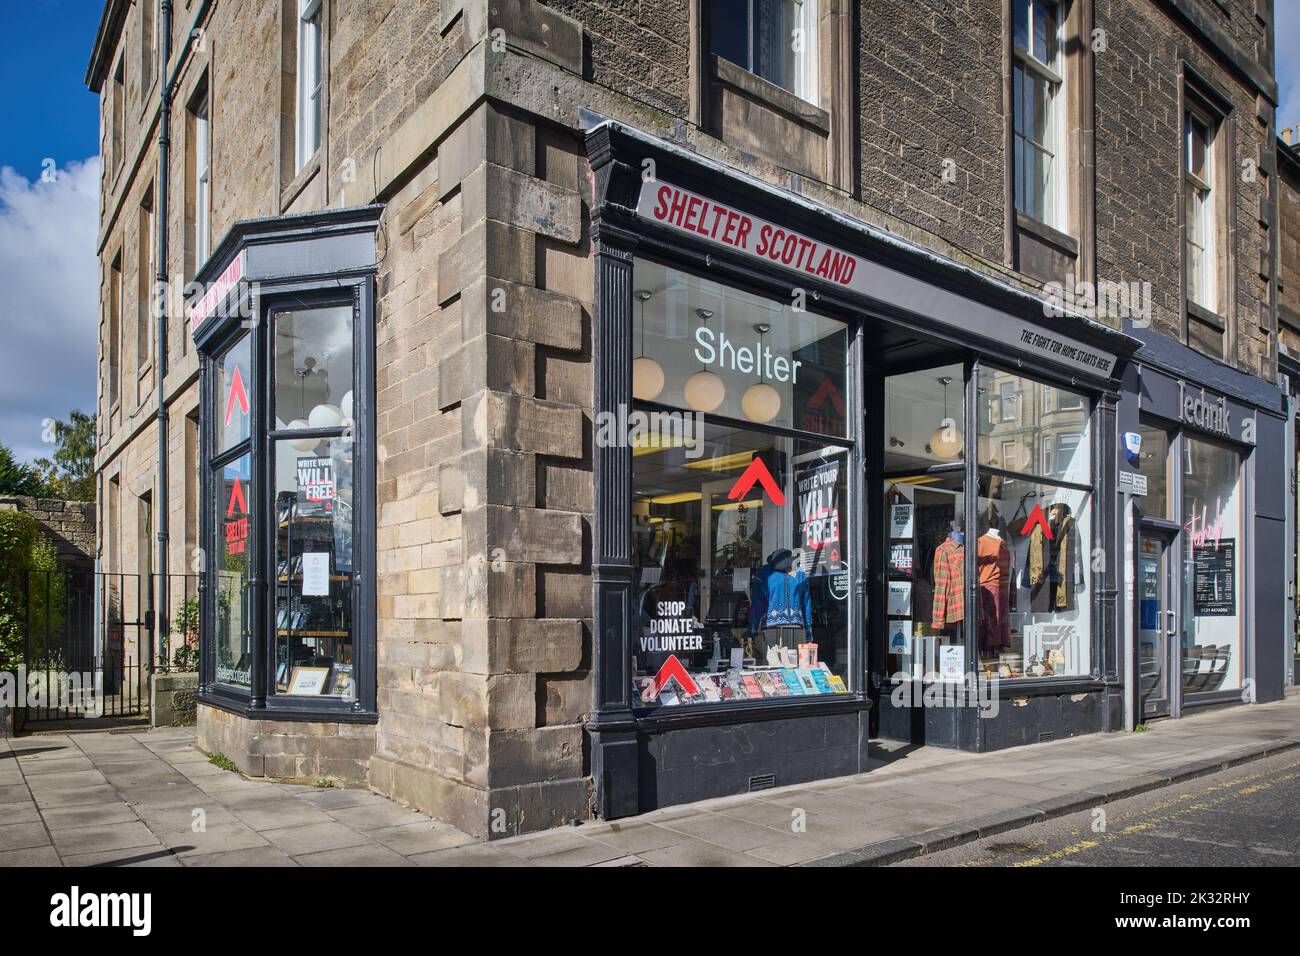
[[316, 574]]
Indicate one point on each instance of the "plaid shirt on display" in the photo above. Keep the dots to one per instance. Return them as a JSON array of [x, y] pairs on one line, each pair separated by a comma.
[[949, 584]]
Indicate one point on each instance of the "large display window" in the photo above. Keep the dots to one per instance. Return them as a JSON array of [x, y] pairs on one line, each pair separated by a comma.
[[1033, 540], [1028, 611], [924, 514], [1213, 556], [312, 467], [289, 621], [741, 528]]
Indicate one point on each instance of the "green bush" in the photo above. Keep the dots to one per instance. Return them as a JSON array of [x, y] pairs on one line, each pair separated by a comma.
[[31, 589], [186, 626]]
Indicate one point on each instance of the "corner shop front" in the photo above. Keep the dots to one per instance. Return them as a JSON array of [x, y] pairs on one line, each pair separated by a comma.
[[825, 421]]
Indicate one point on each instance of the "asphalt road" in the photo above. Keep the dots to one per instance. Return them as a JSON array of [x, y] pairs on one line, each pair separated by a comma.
[[1246, 816]]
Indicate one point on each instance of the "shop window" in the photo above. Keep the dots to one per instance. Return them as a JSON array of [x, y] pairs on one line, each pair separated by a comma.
[[234, 388], [924, 412], [233, 637], [233, 515], [312, 467], [1051, 435], [740, 473], [309, 81], [1033, 550], [1153, 462], [1033, 538], [773, 39], [282, 440], [925, 587], [1037, 108], [1214, 549], [710, 348], [747, 592]]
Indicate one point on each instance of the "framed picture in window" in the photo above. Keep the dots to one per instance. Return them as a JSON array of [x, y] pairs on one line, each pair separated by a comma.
[[308, 681]]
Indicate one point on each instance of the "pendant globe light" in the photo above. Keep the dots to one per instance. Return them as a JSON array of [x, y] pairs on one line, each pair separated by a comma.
[[647, 374], [947, 441], [705, 390], [761, 402]]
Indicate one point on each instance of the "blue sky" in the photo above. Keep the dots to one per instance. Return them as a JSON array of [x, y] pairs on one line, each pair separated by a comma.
[[45, 108], [48, 273]]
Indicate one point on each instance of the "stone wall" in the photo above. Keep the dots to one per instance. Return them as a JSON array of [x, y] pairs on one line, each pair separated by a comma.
[[1139, 125], [484, 481], [68, 525], [299, 751]]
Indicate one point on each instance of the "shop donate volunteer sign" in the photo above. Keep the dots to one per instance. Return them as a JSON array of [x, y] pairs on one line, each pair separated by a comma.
[[687, 212]]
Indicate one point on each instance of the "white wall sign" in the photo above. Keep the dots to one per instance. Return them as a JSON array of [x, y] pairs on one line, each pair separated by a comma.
[[1132, 482]]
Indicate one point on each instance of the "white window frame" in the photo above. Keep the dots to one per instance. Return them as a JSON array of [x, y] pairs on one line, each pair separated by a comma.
[[1051, 74], [805, 83], [202, 182], [1200, 225], [1007, 402], [310, 81]]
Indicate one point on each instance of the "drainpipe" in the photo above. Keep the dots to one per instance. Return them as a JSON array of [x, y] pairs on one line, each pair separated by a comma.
[[160, 309], [168, 86]]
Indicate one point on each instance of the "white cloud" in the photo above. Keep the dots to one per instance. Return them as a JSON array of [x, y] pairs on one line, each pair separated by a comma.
[[49, 301]]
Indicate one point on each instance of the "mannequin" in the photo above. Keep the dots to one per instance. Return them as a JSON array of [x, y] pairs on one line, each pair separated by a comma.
[[780, 595], [949, 606], [993, 559], [1052, 570]]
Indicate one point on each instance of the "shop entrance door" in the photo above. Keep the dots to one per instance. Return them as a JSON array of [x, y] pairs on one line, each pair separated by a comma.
[[1157, 626]]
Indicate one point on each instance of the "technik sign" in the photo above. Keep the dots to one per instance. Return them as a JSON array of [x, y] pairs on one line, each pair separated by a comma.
[[687, 212]]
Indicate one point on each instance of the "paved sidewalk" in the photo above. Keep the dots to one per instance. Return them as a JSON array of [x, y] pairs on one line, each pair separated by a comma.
[[134, 799], [129, 799]]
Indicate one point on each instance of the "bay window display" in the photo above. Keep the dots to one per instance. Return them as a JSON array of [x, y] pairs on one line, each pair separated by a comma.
[[1033, 540], [284, 440], [233, 510], [741, 529], [233, 632], [312, 466], [1212, 567]]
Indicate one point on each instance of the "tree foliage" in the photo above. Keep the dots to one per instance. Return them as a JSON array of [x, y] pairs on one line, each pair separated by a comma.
[[31, 588], [71, 474]]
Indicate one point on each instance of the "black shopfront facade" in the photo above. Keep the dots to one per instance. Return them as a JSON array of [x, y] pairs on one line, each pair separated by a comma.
[[846, 491], [1211, 552]]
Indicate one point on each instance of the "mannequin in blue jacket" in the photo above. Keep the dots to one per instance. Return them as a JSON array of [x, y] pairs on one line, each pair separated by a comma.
[[779, 598]]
